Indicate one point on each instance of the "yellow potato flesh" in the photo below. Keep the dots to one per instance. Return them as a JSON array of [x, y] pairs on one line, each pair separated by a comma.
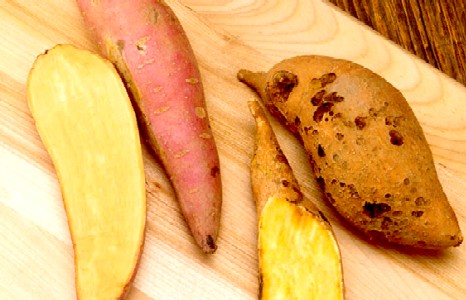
[[85, 120], [298, 255]]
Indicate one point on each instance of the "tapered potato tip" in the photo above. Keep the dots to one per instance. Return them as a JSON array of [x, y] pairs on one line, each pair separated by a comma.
[[262, 123], [209, 245], [255, 109], [265, 147], [255, 80], [271, 174]]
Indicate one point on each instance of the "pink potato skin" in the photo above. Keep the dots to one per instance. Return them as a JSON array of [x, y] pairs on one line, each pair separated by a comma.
[[148, 45]]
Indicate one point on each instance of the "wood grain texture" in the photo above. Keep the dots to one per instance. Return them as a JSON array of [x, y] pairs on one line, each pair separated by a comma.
[[36, 252], [433, 30]]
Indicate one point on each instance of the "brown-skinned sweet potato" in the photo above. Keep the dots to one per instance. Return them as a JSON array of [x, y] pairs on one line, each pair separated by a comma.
[[366, 147]]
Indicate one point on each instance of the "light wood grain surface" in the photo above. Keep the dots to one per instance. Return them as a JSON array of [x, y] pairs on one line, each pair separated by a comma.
[[36, 258]]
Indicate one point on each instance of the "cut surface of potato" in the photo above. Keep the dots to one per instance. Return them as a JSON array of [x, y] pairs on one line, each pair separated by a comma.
[[299, 258], [86, 122]]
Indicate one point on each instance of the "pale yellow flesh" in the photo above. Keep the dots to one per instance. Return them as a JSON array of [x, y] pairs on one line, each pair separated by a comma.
[[298, 255], [85, 120]]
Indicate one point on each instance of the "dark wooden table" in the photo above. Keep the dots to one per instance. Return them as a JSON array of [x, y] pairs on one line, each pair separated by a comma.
[[434, 30]]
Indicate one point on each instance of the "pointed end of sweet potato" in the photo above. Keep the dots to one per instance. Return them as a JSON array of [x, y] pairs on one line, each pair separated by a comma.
[[255, 80]]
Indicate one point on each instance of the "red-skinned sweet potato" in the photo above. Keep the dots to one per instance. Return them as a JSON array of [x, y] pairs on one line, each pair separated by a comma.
[[146, 42]]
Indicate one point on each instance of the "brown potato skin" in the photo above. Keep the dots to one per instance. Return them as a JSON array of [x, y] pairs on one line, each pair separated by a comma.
[[366, 148], [271, 174]]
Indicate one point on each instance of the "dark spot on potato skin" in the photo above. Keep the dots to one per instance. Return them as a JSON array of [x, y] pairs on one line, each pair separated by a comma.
[[317, 99], [417, 214], [321, 110], [320, 151], [339, 136], [393, 121], [307, 129], [210, 242], [297, 121], [360, 122], [285, 183], [396, 138], [215, 171], [283, 83], [321, 182], [421, 201], [374, 210], [397, 213], [120, 45], [333, 97], [327, 79], [406, 181], [280, 157]]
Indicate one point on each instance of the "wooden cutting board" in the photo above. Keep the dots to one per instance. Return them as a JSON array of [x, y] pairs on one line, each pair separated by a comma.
[[36, 257]]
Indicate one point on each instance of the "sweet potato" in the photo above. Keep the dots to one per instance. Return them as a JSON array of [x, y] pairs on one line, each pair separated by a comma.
[[146, 42], [299, 257], [85, 119], [366, 147]]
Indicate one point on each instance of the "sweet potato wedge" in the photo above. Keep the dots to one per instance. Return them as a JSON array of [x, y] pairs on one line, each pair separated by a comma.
[[85, 119], [299, 257]]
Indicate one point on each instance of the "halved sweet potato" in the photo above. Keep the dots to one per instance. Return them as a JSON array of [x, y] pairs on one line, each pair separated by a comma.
[[86, 122]]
